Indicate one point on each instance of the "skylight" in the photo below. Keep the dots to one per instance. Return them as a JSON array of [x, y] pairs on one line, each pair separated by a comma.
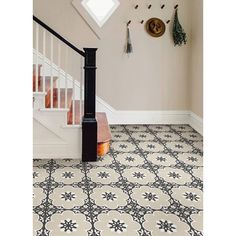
[[99, 10]]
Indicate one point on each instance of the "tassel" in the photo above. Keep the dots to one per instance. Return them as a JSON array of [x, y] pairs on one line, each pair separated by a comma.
[[129, 48], [179, 35]]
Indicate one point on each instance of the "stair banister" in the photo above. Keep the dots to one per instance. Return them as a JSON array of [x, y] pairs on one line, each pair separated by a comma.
[[89, 122], [58, 36]]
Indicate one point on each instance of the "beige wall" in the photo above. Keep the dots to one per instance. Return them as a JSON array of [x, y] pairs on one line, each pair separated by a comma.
[[157, 76], [196, 84]]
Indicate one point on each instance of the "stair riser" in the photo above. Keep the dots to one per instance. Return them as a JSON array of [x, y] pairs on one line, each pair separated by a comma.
[[56, 99], [34, 77]]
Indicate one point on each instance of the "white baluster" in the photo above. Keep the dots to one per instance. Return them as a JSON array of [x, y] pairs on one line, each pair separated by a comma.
[[37, 61], [73, 103], [44, 58], [66, 75], [81, 89], [59, 74], [51, 71]]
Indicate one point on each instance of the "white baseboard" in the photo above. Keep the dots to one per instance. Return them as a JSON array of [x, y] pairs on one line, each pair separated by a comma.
[[148, 117], [196, 122]]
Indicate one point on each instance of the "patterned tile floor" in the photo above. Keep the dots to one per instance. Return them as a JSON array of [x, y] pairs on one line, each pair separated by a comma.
[[150, 183]]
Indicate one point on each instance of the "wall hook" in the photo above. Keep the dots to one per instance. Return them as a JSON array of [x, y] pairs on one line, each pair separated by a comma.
[[128, 22], [176, 6], [162, 6], [136, 7], [149, 6], [167, 22], [141, 21]]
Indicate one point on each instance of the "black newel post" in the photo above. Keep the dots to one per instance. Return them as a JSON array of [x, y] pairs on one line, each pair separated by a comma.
[[89, 123]]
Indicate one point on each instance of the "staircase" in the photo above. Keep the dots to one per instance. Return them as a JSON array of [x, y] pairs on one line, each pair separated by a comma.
[[66, 124]]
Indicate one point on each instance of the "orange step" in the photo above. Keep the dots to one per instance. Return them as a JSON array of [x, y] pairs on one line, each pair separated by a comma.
[[47, 83], [104, 134], [55, 98], [34, 76], [77, 113]]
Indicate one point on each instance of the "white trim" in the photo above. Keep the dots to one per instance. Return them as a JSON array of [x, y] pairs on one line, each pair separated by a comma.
[[148, 117], [72, 126], [103, 103], [196, 122], [39, 94], [55, 109]]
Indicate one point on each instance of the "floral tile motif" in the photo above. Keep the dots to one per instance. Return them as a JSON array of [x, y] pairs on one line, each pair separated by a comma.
[[182, 128], [103, 161], [39, 174], [137, 175], [175, 175], [179, 146], [160, 128], [143, 136], [39, 162], [123, 146], [109, 197], [104, 176], [68, 197], [151, 146], [115, 223], [194, 136], [168, 136], [161, 159], [136, 128], [190, 197], [163, 224], [68, 162], [150, 183], [150, 197], [118, 136], [68, 223], [130, 159], [191, 159], [67, 175]]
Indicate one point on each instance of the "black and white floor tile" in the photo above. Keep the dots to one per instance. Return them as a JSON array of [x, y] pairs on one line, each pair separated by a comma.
[[149, 184]]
